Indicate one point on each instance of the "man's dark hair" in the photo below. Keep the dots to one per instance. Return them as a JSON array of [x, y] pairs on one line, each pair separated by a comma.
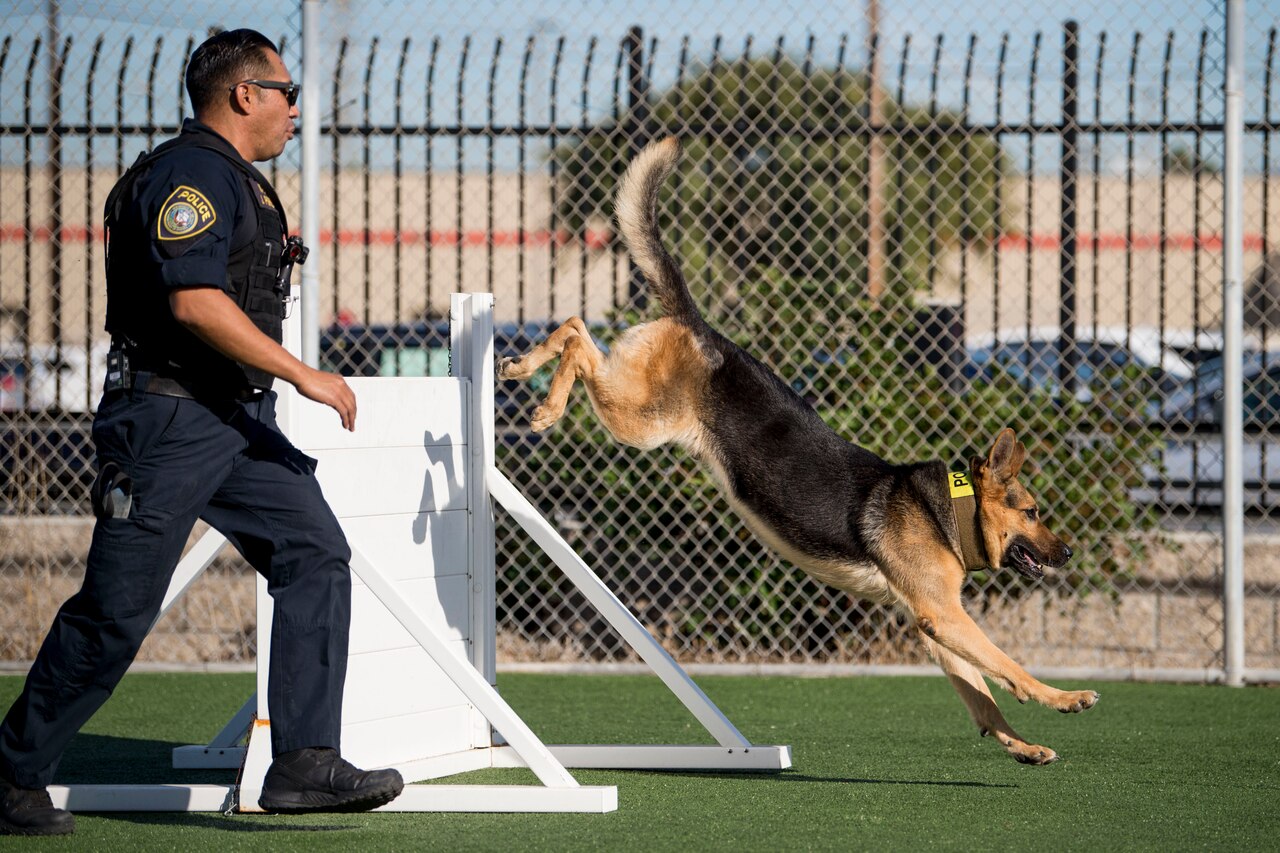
[[223, 61]]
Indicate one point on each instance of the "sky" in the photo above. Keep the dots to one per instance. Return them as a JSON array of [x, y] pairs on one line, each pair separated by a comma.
[[908, 28]]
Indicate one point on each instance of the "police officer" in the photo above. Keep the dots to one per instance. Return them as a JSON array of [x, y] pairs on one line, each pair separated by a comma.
[[198, 271]]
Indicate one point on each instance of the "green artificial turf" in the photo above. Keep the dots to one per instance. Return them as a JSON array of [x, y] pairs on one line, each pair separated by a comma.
[[879, 764]]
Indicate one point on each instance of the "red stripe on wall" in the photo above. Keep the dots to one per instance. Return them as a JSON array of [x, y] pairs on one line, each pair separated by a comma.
[[599, 239]]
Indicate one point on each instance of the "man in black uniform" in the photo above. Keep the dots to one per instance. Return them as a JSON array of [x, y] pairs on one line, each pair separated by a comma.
[[198, 269]]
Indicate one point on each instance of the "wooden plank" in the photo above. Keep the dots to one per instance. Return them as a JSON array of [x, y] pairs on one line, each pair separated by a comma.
[[413, 544], [390, 412], [373, 628], [396, 740], [368, 481], [402, 681]]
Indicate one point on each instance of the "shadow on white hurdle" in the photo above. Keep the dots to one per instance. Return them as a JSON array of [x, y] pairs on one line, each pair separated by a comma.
[[414, 488]]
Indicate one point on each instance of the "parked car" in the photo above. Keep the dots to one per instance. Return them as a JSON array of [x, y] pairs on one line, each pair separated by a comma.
[[1103, 355], [64, 380], [422, 349], [47, 397], [1192, 464]]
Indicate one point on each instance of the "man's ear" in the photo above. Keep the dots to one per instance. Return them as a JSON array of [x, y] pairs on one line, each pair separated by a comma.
[[241, 97]]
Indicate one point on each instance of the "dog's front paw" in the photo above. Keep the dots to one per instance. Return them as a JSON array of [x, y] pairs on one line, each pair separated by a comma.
[[1073, 702], [512, 368]]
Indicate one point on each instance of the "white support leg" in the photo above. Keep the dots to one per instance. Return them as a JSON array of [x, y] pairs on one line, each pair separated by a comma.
[[615, 612], [224, 752], [201, 555], [472, 684]]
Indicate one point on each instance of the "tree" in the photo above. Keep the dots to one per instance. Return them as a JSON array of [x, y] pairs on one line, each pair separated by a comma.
[[1181, 160], [775, 177]]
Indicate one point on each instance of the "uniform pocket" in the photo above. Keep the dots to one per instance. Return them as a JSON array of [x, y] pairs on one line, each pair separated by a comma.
[[129, 437], [127, 430], [127, 561]]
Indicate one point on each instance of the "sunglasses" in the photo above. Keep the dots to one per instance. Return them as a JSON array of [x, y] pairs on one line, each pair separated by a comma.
[[290, 89]]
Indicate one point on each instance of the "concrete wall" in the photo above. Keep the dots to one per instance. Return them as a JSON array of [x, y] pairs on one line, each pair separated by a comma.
[[555, 277]]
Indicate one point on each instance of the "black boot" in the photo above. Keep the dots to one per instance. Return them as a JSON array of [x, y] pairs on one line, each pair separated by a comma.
[[24, 811], [319, 780]]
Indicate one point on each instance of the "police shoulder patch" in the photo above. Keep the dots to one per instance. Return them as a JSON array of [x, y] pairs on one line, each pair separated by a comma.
[[185, 213]]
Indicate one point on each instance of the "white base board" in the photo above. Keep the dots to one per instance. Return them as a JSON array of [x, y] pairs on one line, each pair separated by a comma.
[[143, 798], [581, 756], [416, 798], [659, 757]]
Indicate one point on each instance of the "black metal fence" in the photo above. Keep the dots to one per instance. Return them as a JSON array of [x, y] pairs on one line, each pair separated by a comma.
[[1049, 209]]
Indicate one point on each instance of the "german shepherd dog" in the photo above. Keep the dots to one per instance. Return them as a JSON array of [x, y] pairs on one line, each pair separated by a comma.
[[881, 532]]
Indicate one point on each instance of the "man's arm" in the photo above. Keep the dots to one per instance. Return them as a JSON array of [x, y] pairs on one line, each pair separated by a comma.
[[211, 316]]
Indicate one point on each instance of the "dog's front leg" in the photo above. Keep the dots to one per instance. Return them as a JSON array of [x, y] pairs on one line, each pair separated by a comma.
[[953, 629], [968, 682], [932, 592]]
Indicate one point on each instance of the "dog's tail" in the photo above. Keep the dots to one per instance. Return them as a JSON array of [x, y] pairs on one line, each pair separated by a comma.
[[637, 211]]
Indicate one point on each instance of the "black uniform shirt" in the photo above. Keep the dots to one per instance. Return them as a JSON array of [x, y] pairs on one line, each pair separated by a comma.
[[188, 211], [193, 205]]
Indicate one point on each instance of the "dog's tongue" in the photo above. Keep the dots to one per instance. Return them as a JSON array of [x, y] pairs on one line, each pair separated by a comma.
[[1028, 567]]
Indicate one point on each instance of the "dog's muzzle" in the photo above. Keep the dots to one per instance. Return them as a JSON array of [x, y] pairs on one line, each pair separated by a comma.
[[1025, 559]]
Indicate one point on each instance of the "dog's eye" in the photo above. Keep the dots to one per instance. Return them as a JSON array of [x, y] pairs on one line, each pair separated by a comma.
[[1031, 513]]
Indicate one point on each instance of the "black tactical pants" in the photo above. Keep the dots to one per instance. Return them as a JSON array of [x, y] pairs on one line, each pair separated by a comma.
[[230, 465]]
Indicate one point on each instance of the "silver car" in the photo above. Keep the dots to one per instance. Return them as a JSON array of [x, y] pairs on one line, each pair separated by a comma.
[[1192, 464]]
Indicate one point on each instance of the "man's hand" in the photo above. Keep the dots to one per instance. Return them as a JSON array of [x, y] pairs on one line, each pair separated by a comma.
[[332, 390], [211, 315]]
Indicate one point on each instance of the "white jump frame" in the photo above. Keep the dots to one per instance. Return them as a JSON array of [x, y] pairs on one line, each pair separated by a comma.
[[497, 736]]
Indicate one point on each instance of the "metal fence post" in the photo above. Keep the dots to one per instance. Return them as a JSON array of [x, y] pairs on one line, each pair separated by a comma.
[[1069, 171], [310, 189], [1232, 350]]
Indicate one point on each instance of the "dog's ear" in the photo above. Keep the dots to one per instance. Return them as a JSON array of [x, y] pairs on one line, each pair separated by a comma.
[[1006, 456]]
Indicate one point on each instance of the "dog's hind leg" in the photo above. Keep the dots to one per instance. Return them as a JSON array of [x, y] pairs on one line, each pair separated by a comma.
[[969, 683], [524, 366], [579, 358]]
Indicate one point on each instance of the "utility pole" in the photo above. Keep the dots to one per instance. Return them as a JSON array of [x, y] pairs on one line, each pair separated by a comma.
[[54, 166], [875, 159]]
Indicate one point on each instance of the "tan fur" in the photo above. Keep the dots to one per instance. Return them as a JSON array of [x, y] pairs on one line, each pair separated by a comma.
[[645, 391], [649, 391]]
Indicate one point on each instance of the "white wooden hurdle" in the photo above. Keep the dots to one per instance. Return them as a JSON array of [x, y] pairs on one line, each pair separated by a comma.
[[413, 487]]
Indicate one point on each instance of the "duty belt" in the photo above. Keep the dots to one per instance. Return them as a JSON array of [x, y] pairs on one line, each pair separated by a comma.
[[122, 374], [167, 387]]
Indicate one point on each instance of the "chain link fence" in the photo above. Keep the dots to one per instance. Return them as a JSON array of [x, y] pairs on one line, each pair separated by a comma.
[[933, 225]]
